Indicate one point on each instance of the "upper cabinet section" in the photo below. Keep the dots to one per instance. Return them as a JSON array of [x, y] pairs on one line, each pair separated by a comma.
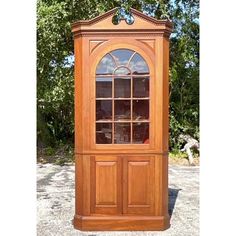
[[104, 24]]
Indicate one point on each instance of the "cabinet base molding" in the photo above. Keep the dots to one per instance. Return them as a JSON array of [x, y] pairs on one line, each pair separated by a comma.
[[121, 223]]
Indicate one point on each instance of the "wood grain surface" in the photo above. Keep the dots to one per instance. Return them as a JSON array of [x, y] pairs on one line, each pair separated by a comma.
[[121, 186]]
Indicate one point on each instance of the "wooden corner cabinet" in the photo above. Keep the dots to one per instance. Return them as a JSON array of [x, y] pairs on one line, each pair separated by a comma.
[[121, 123]]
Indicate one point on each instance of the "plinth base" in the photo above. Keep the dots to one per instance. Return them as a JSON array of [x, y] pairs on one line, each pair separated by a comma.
[[121, 223]]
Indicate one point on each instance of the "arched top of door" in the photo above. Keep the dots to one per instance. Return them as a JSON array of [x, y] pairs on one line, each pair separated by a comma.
[[132, 47]]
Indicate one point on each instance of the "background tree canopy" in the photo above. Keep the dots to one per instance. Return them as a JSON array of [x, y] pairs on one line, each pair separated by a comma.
[[55, 124]]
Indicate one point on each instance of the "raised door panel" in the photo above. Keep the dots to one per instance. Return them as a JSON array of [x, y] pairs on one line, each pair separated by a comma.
[[105, 185], [138, 188]]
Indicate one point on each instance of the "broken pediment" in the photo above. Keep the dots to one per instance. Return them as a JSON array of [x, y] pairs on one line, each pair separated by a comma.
[[103, 23]]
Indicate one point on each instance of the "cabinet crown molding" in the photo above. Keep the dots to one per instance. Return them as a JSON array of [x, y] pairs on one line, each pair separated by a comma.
[[103, 23]]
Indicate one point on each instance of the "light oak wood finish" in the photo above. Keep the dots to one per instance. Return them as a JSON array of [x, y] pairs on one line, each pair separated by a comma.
[[121, 186], [138, 187], [106, 185]]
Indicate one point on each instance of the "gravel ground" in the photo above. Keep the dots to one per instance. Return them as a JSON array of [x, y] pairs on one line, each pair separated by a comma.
[[55, 194]]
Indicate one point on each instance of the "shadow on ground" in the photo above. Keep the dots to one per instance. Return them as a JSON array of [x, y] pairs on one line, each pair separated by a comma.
[[173, 194]]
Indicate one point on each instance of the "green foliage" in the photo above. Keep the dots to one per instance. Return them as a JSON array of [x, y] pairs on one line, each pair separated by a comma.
[[55, 64], [184, 72], [60, 155], [54, 73], [176, 154]]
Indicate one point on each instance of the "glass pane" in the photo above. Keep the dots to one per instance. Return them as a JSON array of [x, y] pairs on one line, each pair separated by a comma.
[[122, 71], [103, 87], [140, 109], [122, 133], [103, 110], [103, 133], [106, 66], [140, 87], [141, 133], [122, 87], [138, 65], [122, 56], [122, 110]]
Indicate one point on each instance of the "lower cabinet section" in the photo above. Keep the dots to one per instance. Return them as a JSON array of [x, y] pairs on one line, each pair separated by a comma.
[[122, 185]]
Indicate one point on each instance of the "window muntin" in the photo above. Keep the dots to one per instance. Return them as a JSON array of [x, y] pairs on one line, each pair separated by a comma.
[[122, 98]]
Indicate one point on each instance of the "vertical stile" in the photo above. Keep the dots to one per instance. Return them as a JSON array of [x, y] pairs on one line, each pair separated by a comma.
[[113, 110], [131, 109]]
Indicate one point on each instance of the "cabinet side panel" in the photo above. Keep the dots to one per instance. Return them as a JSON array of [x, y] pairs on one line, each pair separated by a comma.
[[86, 185], [162, 94], [165, 197], [165, 94], [78, 185], [85, 109], [159, 95], [161, 185], [78, 94]]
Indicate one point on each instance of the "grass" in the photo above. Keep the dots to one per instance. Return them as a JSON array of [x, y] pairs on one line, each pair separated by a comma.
[[64, 154], [60, 155], [181, 158]]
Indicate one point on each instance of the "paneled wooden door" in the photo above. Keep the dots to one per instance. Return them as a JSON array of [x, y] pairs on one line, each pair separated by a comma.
[[122, 185], [138, 185], [106, 185]]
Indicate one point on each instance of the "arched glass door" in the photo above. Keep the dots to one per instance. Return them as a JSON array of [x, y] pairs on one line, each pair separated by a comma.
[[122, 98]]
